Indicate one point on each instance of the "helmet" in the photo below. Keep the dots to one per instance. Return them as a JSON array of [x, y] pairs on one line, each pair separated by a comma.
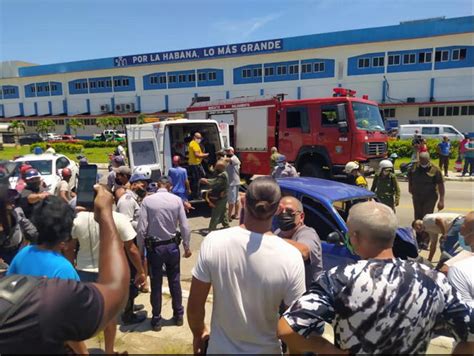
[[280, 159], [385, 164], [393, 155], [66, 172], [350, 166], [143, 170], [32, 174]]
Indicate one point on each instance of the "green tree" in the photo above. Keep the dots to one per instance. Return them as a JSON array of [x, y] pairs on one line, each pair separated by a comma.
[[17, 127], [116, 122], [45, 126], [76, 124], [141, 119], [103, 122]]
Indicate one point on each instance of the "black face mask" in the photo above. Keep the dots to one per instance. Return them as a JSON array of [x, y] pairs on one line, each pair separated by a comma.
[[229, 155], [286, 221], [34, 187], [117, 181], [140, 192]]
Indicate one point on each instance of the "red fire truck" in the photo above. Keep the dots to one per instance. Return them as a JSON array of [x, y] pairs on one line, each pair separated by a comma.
[[319, 136]]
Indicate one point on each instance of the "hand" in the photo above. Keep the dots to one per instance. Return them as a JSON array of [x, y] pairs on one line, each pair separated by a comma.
[[199, 342], [204, 181], [397, 203], [188, 206], [140, 279], [189, 192], [103, 201], [44, 195], [187, 253], [79, 209], [441, 205]]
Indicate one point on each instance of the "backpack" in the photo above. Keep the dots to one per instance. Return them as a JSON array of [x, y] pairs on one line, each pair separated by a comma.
[[13, 292]]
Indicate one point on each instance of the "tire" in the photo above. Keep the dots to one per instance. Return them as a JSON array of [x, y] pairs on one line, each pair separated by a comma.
[[313, 169]]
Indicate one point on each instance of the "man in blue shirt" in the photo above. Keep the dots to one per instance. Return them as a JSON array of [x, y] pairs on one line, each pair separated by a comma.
[[443, 150], [180, 182]]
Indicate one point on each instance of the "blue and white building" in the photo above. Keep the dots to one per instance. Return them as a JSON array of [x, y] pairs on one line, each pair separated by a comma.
[[419, 71]]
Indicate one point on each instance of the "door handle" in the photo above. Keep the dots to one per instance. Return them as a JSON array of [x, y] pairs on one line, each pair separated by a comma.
[[286, 134]]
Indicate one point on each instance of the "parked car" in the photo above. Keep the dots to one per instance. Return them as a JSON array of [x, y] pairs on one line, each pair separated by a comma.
[[326, 205], [49, 166], [30, 139], [430, 131], [51, 137]]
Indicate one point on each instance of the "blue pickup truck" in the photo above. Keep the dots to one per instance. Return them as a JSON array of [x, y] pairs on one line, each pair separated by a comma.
[[326, 205]]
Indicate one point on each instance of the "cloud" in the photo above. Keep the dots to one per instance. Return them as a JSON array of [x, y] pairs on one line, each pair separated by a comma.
[[243, 29]]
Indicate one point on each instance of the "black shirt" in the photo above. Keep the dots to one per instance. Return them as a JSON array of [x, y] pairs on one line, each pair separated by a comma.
[[24, 204], [56, 311]]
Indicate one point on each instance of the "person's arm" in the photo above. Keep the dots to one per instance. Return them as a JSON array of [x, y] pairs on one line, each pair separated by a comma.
[[185, 231], [410, 181], [374, 183], [142, 228], [114, 273], [397, 190], [199, 154], [196, 312], [464, 348], [36, 197], [62, 195], [441, 195], [134, 256], [442, 225], [298, 344], [304, 249]]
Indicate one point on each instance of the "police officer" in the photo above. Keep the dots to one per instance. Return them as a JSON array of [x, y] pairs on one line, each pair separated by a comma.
[[217, 196], [160, 214], [354, 177], [425, 181], [283, 169], [385, 185]]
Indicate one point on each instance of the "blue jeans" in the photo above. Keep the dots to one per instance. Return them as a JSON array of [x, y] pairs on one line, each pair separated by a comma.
[[169, 256], [468, 164], [452, 236]]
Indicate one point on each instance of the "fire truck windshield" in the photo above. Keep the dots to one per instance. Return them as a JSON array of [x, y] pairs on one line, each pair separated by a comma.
[[367, 117]]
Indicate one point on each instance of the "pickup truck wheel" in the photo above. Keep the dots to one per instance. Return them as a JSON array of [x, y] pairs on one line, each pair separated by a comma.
[[313, 169]]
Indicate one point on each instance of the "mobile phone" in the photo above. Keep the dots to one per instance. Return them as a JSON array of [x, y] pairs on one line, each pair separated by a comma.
[[85, 186]]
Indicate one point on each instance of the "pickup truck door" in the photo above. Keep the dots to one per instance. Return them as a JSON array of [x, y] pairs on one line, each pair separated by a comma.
[[143, 148]]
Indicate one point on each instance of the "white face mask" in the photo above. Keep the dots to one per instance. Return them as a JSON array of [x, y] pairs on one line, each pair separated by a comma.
[[424, 165], [198, 140]]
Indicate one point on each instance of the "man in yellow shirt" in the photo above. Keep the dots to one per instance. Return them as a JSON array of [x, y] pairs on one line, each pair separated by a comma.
[[196, 172]]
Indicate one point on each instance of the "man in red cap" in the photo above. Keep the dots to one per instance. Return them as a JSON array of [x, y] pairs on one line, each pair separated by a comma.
[[21, 183], [63, 190]]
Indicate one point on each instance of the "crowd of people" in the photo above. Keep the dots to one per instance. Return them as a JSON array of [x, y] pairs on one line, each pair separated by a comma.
[[270, 289]]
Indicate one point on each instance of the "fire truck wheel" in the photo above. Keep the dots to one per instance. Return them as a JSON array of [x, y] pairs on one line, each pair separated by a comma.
[[313, 169]]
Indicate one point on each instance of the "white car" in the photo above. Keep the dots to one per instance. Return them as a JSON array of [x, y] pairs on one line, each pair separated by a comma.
[[51, 137], [49, 165]]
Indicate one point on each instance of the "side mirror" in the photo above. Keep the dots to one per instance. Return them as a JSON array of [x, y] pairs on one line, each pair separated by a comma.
[[342, 118], [335, 238]]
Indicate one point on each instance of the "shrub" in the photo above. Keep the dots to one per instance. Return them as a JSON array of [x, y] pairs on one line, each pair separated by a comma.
[[59, 147], [93, 144], [403, 148]]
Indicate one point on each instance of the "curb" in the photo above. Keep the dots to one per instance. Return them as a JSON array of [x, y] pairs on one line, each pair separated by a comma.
[[449, 178]]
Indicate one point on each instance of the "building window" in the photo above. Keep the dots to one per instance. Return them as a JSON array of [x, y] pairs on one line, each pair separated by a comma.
[[449, 111], [84, 85], [409, 58], [246, 73], [153, 80], [40, 89], [92, 85], [377, 62], [202, 77], [444, 56], [389, 113], [455, 55], [363, 63], [54, 87], [46, 88], [116, 82], [455, 110], [109, 83], [293, 69], [306, 68], [101, 83], [257, 72], [33, 89], [423, 112], [181, 78], [192, 77], [172, 79], [212, 76], [269, 71], [393, 59], [463, 110], [424, 57], [462, 53], [162, 79], [126, 82], [318, 67], [438, 111], [471, 110], [281, 70], [76, 86]]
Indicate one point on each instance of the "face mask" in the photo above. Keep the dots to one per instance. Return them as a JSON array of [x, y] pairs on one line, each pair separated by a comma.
[[286, 221], [424, 165], [140, 192], [462, 243], [34, 186], [229, 155], [198, 140], [281, 165]]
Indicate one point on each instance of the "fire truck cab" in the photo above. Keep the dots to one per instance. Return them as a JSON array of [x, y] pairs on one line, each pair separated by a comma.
[[319, 136]]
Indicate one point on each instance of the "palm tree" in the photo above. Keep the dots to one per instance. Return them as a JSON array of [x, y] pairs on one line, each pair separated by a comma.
[[45, 126], [75, 124], [18, 127], [115, 122], [103, 122], [141, 119]]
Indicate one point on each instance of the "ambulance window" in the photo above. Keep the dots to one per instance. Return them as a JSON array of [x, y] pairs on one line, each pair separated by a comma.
[[143, 153], [297, 118]]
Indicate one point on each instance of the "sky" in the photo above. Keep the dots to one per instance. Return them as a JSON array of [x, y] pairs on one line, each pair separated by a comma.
[[55, 31]]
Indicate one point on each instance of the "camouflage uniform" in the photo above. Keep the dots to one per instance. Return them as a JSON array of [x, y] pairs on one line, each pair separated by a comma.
[[218, 197], [387, 190]]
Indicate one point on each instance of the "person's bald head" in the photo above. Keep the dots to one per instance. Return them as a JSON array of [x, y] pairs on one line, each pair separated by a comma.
[[291, 202], [467, 229], [220, 165], [372, 228]]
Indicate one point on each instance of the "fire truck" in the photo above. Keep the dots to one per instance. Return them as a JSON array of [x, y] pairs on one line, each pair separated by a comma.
[[319, 136]]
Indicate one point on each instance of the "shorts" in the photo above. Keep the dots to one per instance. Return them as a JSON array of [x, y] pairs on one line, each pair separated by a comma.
[[87, 276], [233, 194]]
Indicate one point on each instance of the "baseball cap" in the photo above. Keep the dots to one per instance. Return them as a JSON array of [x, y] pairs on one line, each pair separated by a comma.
[[125, 170], [25, 168], [118, 160], [228, 148], [31, 174], [137, 177], [424, 155]]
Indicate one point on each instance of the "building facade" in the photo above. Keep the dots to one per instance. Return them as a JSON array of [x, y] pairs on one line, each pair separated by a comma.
[[418, 71]]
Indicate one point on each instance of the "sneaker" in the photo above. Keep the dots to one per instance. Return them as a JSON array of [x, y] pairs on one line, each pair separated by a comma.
[[134, 318], [178, 320], [156, 325], [138, 307]]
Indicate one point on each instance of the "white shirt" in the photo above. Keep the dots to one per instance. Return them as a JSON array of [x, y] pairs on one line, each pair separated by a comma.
[[429, 221], [63, 186], [51, 151], [250, 275], [461, 276], [86, 230]]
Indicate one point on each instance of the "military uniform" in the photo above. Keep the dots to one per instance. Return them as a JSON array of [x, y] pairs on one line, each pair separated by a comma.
[[218, 197], [284, 172], [387, 190], [424, 188], [273, 159]]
